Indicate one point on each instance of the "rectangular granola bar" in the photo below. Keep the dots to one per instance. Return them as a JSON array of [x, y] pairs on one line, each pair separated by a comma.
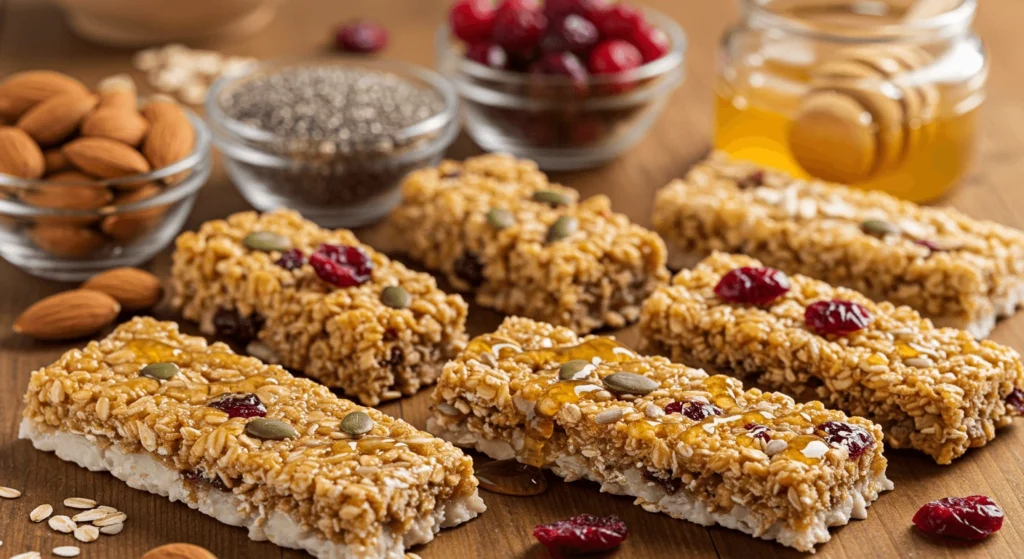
[[495, 225], [247, 444], [693, 446], [937, 390], [344, 331], [959, 271]]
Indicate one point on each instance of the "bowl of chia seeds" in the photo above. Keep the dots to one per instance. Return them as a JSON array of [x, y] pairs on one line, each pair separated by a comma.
[[331, 138]]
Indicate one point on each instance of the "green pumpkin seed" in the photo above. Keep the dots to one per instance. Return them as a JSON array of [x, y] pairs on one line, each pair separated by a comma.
[[396, 297], [552, 197], [500, 218], [562, 228], [270, 429], [630, 383], [879, 228], [576, 369], [159, 371], [357, 423], [267, 241]]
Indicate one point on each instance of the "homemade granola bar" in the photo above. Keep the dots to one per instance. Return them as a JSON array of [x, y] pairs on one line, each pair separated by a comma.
[[959, 271], [495, 225], [248, 444], [323, 303], [693, 446], [937, 390]]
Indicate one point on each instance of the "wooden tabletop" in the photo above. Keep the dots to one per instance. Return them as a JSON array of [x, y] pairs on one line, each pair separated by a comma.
[[34, 35]]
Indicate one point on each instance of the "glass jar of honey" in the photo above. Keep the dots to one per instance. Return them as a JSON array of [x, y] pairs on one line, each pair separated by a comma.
[[875, 94]]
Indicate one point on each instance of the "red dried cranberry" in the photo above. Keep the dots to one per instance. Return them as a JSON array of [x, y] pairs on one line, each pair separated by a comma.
[[964, 518], [856, 439], [213, 480], [572, 33], [619, 21], [750, 181], [291, 260], [341, 265], [585, 533], [758, 431], [472, 20], [694, 409], [239, 405], [612, 57], [488, 54], [395, 358], [230, 324], [469, 269], [555, 9], [362, 37], [669, 484], [651, 41], [1015, 399], [752, 286], [518, 25], [930, 245], [836, 317]]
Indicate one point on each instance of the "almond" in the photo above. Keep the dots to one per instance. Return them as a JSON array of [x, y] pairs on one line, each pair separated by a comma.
[[134, 289], [105, 158], [22, 91], [160, 106], [128, 227], [58, 117], [66, 241], [170, 139], [68, 315], [178, 551], [118, 92], [125, 126], [67, 197], [55, 161], [19, 154]]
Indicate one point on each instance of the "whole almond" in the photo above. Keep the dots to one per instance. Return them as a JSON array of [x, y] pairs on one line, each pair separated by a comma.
[[105, 158], [127, 227], [178, 551], [161, 106], [66, 241], [67, 197], [170, 139], [118, 92], [135, 289], [19, 154], [55, 161], [68, 315], [138, 193], [125, 126], [58, 117], [23, 90]]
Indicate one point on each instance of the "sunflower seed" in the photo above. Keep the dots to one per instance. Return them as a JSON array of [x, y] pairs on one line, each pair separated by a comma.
[[576, 369], [500, 218], [67, 551], [552, 197], [267, 241], [159, 371], [396, 297], [113, 529], [110, 519], [270, 429], [87, 534], [357, 423], [630, 383], [8, 493], [62, 524], [562, 228], [40, 513]]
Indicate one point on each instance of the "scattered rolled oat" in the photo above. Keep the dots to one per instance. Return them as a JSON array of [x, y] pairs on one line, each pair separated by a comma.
[[112, 529], [110, 519], [9, 493], [67, 551], [40, 513], [90, 515], [62, 524], [79, 503], [87, 534], [185, 72], [27, 555]]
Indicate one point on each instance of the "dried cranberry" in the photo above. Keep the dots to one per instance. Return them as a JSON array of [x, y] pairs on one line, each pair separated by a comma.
[[572, 33], [488, 54], [752, 286], [585, 533], [930, 245], [612, 57], [229, 324], [469, 269], [758, 431], [362, 37], [619, 21], [291, 260], [651, 41], [341, 265], [694, 409], [213, 481], [556, 9], [472, 20], [239, 405], [1015, 399], [964, 518], [836, 317], [750, 181], [670, 484], [856, 439], [395, 358], [518, 25]]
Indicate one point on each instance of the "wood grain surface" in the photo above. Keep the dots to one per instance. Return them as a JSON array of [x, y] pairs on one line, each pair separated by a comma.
[[34, 35]]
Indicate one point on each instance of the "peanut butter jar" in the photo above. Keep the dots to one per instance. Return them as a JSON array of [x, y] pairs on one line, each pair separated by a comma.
[[877, 95]]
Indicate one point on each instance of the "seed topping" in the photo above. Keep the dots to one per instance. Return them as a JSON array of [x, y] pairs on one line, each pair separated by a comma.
[[577, 369], [270, 429], [159, 371], [500, 218], [396, 297], [630, 383], [357, 423], [267, 241], [552, 197], [562, 228]]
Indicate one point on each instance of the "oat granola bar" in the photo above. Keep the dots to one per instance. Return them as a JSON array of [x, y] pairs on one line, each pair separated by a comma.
[[696, 447], [248, 444], [371, 327], [958, 271], [937, 390], [495, 225]]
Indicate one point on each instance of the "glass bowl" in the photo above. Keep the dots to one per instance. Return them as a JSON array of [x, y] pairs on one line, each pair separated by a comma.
[[557, 123], [349, 186], [144, 214]]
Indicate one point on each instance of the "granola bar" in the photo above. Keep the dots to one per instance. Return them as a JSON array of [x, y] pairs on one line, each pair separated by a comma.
[[316, 308], [495, 225], [693, 446], [937, 390], [248, 444], [958, 271]]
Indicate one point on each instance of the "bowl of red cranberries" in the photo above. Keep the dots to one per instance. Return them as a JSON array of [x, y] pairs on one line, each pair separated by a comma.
[[568, 83]]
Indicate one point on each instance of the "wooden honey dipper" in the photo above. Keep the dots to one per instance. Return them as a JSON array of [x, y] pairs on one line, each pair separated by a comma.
[[848, 131]]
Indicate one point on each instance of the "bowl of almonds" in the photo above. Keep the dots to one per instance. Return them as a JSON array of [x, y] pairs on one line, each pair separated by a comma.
[[92, 179]]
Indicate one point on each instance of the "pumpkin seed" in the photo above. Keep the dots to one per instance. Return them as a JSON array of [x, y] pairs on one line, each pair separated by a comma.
[[552, 197], [879, 228], [396, 297], [270, 429], [159, 371], [576, 369], [267, 241], [562, 228], [630, 383], [357, 423], [500, 218]]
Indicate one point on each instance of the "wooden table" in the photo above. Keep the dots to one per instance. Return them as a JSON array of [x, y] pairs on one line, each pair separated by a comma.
[[33, 35]]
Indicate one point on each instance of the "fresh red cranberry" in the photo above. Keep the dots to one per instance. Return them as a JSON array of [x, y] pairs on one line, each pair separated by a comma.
[[752, 286], [652, 42], [612, 57], [694, 409], [488, 54], [572, 33], [585, 533], [836, 317], [619, 21], [856, 439], [472, 20], [556, 9], [963, 518], [291, 260], [362, 37], [559, 64], [758, 431], [1015, 399], [239, 405], [341, 265], [587, 131], [518, 25]]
